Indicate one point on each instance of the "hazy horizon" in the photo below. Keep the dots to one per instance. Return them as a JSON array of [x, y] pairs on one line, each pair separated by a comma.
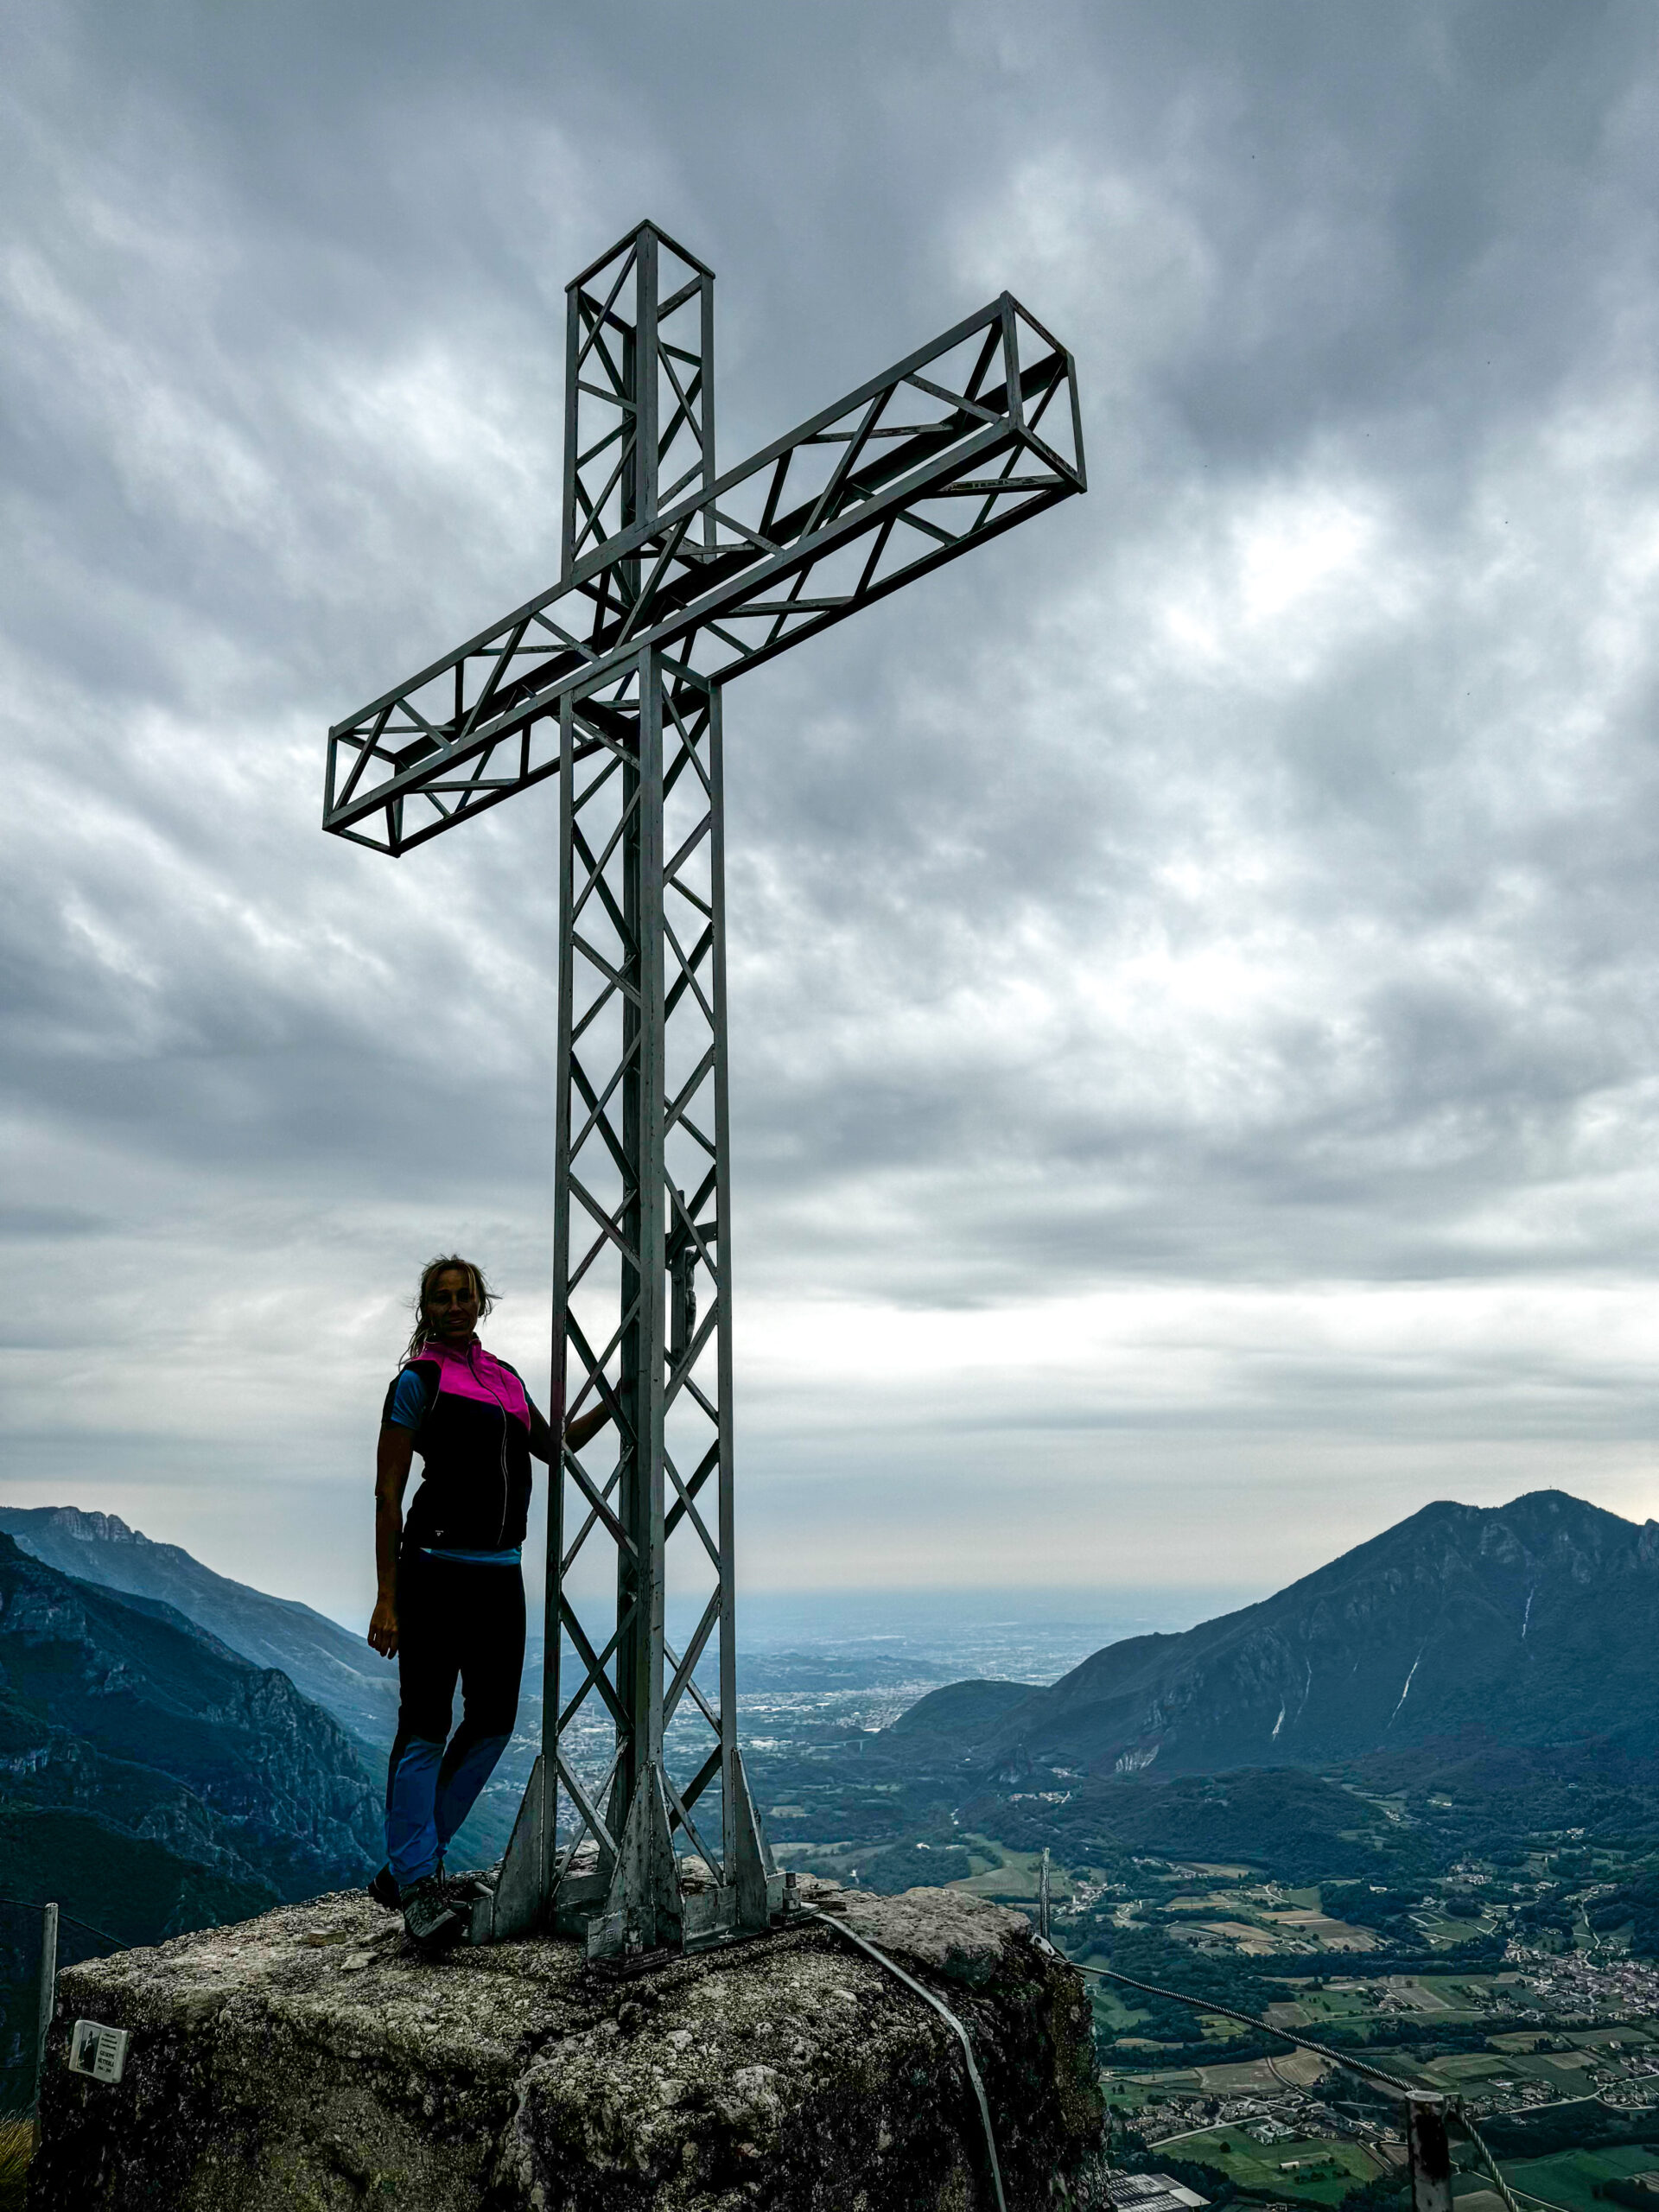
[[923, 1618]]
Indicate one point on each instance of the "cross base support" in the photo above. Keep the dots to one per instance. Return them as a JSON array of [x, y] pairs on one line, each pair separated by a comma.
[[708, 1916], [648, 1899]]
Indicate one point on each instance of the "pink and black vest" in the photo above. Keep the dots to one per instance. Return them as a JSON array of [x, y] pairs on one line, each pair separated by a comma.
[[475, 1443]]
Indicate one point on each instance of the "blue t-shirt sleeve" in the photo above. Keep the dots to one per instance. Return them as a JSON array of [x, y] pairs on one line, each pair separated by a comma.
[[406, 1400]]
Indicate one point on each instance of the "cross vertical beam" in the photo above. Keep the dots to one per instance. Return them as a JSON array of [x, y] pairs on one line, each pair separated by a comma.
[[642, 1322], [638, 404], [640, 1565], [642, 1299]]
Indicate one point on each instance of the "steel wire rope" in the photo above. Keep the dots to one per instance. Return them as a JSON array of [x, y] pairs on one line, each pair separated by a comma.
[[1454, 2107], [1487, 2160], [946, 2015], [31, 1904], [1250, 2021]]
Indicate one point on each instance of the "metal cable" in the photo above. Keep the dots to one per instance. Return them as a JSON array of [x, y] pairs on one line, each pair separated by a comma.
[[1248, 2019], [1454, 2105], [67, 1919], [1487, 2160], [951, 2021]]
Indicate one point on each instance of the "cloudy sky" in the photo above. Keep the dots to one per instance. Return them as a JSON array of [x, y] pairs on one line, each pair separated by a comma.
[[1194, 965]]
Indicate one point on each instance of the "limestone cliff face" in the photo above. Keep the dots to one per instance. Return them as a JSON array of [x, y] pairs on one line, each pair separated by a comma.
[[42, 1765], [120, 1706], [308, 2058]]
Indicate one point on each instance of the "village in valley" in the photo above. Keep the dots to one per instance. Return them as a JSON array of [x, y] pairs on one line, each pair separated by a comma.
[[1554, 2034]]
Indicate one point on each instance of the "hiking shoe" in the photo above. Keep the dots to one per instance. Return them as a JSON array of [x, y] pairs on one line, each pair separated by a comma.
[[430, 1920], [385, 1891]]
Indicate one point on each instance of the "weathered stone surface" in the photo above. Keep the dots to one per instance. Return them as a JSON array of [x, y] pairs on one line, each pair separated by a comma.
[[960, 1938], [307, 2059]]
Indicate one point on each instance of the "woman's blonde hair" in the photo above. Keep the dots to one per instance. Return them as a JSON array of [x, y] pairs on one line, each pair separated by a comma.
[[429, 1275]]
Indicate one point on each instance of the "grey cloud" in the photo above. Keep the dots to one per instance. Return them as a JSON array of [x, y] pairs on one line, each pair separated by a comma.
[[1241, 877]]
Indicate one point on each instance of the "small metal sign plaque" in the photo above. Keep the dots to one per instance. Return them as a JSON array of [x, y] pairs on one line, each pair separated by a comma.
[[97, 2050]]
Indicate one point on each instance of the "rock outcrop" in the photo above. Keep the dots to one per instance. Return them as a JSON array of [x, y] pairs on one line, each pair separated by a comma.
[[308, 2058]]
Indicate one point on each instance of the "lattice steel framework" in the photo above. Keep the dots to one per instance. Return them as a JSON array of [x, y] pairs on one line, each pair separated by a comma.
[[673, 579]]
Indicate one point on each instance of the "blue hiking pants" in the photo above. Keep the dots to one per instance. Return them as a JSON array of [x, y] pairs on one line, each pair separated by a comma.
[[455, 1619]]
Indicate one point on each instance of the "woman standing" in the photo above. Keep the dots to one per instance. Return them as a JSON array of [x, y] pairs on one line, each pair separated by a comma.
[[451, 1596]]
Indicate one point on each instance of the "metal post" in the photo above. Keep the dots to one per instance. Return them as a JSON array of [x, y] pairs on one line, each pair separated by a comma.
[[552, 1628], [640, 1566], [48, 1992], [1430, 2153], [732, 1789]]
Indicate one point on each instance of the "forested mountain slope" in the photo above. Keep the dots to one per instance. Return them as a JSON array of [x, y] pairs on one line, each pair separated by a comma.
[[328, 1664], [122, 1723]]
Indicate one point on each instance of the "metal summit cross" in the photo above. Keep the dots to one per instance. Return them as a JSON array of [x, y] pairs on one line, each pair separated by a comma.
[[673, 581]]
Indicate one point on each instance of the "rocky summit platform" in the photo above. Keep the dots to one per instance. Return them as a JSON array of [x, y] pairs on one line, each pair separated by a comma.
[[308, 2058]]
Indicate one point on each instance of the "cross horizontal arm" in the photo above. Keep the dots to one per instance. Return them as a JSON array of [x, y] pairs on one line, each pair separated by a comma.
[[951, 446]]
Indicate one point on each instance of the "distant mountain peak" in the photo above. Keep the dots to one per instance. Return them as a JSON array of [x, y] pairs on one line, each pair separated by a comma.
[[88, 1528], [1536, 1623]]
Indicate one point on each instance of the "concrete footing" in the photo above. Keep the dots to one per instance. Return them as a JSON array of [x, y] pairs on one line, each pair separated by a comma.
[[310, 2059]]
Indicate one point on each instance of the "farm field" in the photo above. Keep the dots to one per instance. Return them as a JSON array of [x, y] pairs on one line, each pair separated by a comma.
[[1214, 1901], [1460, 1997], [1010, 1877], [1335, 2003], [1249, 1941], [1443, 1930], [1410, 2068], [1114, 2009], [1461, 2067], [1263, 2077], [1563, 2070], [1569, 2177], [1313, 2171], [1318, 1930]]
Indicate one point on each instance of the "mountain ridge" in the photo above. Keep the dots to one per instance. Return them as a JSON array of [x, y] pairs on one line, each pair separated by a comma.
[[325, 1663], [1457, 1616], [332, 1668], [121, 1710]]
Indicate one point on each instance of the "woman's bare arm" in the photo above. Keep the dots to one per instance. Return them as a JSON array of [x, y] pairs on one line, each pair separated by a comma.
[[393, 1456], [580, 1429]]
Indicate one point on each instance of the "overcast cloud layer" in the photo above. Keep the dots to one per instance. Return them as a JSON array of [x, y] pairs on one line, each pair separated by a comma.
[[1194, 966]]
